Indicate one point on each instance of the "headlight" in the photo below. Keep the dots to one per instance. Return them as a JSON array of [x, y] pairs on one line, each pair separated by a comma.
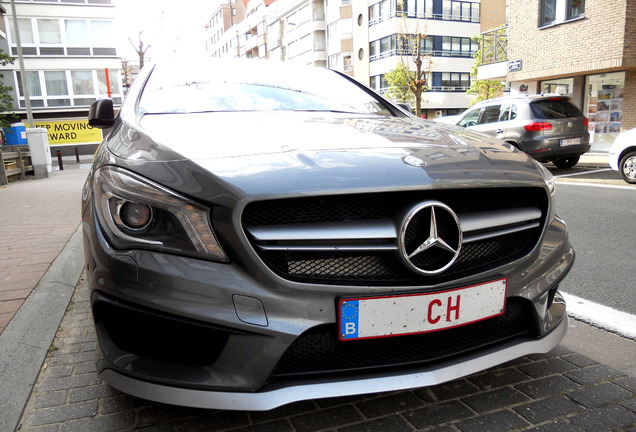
[[136, 213], [550, 182]]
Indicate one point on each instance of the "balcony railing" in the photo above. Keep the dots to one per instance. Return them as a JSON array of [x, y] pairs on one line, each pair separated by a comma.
[[493, 46]]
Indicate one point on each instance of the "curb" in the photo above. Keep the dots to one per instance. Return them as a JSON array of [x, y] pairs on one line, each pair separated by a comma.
[[25, 342]]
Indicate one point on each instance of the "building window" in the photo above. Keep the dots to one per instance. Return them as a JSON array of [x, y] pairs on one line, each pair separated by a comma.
[[558, 11], [548, 11], [451, 81], [68, 88], [575, 8], [26, 30], [71, 37], [460, 11]]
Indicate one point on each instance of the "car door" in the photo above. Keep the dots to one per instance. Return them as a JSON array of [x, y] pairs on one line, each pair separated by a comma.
[[489, 121]]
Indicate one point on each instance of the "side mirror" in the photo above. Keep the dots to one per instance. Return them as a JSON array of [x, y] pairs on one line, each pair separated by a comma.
[[101, 114]]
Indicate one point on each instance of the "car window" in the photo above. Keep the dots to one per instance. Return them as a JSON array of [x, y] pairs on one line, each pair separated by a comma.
[[201, 89], [490, 114], [513, 112], [555, 108], [505, 113], [470, 118]]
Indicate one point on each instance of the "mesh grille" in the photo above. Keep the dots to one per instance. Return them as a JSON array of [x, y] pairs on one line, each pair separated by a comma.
[[381, 205], [381, 267], [319, 350]]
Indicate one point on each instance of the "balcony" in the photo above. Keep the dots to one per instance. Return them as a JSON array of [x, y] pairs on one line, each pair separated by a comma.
[[493, 54]]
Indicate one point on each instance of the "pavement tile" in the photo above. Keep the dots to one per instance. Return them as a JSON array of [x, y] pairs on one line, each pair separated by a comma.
[[47, 400], [499, 421], [579, 360], [158, 413], [628, 383], [495, 399], [447, 391], [608, 418], [326, 419], [437, 415], [548, 409], [386, 424], [386, 405], [599, 395], [594, 374], [499, 378], [548, 386], [110, 423], [63, 413], [556, 426], [120, 403], [549, 366], [90, 393], [215, 421], [274, 426]]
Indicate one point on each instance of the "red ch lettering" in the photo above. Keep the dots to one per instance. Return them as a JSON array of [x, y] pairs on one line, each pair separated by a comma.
[[453, 308], [430, 311]]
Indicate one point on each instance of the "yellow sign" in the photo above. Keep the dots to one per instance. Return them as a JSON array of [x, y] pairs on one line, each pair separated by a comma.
[[70, 132]]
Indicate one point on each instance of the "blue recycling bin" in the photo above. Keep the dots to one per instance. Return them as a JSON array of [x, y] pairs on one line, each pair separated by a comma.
[[16, 134]]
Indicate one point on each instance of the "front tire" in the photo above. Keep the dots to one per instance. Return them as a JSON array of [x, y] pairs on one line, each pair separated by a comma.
[[567, 162], [627, 167]]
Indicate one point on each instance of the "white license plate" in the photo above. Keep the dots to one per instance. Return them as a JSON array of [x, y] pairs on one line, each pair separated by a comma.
[[373, 317], [569, 142]]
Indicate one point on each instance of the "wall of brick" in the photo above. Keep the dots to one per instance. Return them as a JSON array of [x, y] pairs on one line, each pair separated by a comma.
[[588, 45]]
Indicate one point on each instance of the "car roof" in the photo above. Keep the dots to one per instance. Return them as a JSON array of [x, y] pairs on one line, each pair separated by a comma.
[[523, 98]]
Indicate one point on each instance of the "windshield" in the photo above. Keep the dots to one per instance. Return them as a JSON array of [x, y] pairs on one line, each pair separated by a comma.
[[253, 86]]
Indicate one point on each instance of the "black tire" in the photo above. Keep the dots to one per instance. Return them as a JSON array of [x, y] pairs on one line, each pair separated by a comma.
[[567, 162], [627, 167]]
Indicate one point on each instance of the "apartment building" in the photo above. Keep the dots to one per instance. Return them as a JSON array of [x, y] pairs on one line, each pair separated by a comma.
[[582, 48], [365, 39], [70, 60]]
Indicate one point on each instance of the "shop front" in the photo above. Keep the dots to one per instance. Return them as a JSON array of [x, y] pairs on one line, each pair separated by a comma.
[[600, 97]]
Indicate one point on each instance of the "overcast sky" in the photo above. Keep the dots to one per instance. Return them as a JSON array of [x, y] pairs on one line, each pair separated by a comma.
[[167, 26]]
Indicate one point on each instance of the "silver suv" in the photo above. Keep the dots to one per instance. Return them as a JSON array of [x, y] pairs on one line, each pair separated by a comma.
[[549, 128]]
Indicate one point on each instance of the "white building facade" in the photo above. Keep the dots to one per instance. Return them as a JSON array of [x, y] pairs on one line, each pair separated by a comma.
[[70, 60]]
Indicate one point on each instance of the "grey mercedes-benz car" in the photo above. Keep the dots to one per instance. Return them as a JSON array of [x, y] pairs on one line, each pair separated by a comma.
[[258, 233]]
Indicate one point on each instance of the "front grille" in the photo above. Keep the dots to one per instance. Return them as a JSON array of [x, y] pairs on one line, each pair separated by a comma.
[[160, 337], [377, 261], [319, 351]]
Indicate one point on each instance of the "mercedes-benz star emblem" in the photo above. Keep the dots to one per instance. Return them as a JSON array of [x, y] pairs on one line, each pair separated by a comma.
[[430, 238]]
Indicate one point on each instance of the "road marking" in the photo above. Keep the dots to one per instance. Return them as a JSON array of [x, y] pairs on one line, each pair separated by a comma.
[[598, 315], [583, 173], [599, 185]]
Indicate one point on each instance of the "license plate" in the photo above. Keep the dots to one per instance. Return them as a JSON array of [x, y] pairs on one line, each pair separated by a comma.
[[569, 142], [373, 317]]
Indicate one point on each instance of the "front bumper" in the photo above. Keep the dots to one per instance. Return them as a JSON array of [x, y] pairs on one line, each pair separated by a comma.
[[272, 398], [258, 321]]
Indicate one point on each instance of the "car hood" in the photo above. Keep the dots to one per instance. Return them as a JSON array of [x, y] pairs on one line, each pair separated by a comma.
[[306, 153]]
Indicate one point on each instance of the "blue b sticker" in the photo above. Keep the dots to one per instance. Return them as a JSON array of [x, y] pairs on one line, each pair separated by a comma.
[[349, 315]]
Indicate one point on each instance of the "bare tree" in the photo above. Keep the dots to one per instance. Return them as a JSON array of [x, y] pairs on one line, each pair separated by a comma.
[[411, 44], [141, 49]]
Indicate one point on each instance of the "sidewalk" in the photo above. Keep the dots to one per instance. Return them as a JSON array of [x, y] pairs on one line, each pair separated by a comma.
[[49, 382]]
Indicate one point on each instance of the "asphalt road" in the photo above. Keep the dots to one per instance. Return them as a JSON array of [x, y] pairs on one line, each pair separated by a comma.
[[600, 210]]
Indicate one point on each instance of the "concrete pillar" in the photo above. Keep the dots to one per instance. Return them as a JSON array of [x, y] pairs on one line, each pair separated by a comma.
[[40, 151]]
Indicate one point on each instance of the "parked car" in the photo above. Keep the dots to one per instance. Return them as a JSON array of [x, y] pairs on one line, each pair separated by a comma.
[[549, 128], [449, 119], [622, 155], [258, 233]]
